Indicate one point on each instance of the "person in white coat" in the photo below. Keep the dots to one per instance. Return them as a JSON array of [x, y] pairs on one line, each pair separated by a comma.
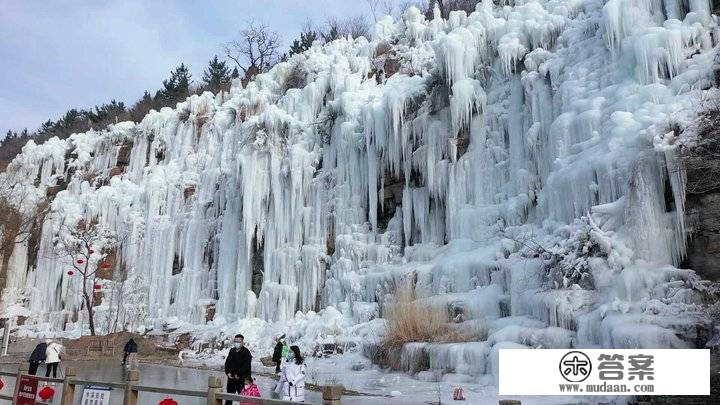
[[52, 358], [292, 377]]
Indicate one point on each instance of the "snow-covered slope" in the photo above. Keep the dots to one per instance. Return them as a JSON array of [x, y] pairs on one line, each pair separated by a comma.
[[513, 165]]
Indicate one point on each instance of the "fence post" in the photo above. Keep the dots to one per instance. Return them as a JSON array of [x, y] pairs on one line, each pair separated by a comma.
[[7, 324], [332, 394], [214, 385], [131, 393], [22, 369], [68, 394]]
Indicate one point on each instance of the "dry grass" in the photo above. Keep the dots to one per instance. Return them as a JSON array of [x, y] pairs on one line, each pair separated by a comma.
[[409, 320]]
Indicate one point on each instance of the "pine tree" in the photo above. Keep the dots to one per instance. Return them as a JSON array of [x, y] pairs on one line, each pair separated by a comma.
[[47, 127], [142, 107], [146, 98], [303, 43], [158, 100], [177, 87], [235, 74], [217, 75], [108, 113]]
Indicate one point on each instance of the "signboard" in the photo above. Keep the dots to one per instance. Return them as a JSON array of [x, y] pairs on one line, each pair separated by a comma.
[[93, 395], [604, 372], [26, 390]]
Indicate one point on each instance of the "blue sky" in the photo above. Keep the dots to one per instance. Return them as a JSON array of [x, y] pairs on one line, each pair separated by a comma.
[[56, 55]]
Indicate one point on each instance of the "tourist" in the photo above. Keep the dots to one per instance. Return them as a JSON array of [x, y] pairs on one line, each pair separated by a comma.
[[36, 357], [250, 390], [130, 357], [52, 357], [280, 353], [293, 376], [237, 366]]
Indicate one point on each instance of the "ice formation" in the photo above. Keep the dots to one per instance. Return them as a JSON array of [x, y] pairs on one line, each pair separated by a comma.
[[506, 169]]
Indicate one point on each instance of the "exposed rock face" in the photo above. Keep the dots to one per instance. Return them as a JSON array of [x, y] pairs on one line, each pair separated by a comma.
[[116, 171], [703, 253], [123, 158]]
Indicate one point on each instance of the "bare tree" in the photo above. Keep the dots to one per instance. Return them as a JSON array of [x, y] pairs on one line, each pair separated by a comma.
[[85, 246], [380, 7], [446, 6], [421, 5], [355, 26], [20, 215], [255, 51]]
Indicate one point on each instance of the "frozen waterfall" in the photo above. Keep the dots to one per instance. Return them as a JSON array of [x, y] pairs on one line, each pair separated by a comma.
[[437, 153]]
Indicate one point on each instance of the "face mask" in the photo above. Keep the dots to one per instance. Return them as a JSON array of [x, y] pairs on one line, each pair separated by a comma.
[[238, 344]]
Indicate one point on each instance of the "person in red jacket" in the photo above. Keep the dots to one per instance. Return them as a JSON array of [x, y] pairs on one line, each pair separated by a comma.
[[250, 390]]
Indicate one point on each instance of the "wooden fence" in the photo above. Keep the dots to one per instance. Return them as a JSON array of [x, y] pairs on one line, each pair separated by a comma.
[[131, 389]]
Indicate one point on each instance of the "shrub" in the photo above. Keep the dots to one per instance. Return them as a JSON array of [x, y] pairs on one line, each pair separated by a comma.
[[296, 78], [702, 158], [410, 320]]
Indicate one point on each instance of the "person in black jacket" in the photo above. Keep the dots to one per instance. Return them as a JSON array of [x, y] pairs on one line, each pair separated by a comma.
[[237, 366], [130, 357], [36, 357], [279, 353]]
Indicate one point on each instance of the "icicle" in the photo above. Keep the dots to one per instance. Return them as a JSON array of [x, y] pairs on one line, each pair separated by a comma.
[[506, 127]]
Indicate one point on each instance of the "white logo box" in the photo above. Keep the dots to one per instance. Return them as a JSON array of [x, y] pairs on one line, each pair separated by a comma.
[[540, 372]]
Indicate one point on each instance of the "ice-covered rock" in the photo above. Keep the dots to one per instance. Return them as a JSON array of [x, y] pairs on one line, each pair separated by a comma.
[[463, 175]]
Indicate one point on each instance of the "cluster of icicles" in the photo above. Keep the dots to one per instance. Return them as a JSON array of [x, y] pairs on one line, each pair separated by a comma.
[[268, 200]]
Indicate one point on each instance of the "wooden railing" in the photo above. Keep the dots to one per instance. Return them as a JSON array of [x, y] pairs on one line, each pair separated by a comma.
[[132, 388]]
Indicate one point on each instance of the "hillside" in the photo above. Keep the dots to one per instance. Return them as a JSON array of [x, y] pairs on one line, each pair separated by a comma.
[[518, 168]]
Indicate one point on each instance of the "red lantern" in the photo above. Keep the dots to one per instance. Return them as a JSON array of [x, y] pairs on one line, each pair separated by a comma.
[[105, 265], [70, 272], [2, 384], [91, 251], [46, 393], [168, 401], [97, 286], [80, 261]]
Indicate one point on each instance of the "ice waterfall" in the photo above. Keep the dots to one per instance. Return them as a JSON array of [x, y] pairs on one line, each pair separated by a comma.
[[433, 150]]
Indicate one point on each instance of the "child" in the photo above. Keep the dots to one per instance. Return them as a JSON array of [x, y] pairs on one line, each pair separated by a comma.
[[249, 390]]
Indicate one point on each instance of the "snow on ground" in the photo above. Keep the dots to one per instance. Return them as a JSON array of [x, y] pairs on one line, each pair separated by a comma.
[[379, 386]]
